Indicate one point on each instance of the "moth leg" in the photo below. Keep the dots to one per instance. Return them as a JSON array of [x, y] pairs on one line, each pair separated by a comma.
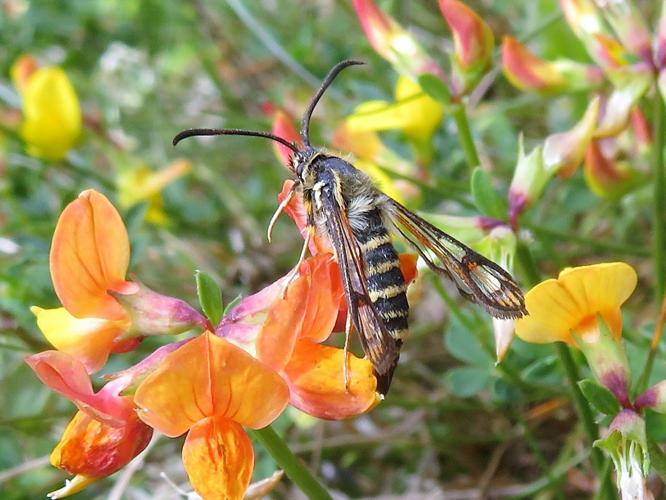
[[293, 274], [345, 351], [279, 211]]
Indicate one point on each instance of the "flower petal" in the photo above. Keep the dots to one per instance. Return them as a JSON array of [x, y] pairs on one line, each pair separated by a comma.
[[51, 112], [68, 377], [218, 458], [316, 384], [207, 377], [88, 339], [557, 306], [324, 297], [91, 448], [283, 325], [89, 255]]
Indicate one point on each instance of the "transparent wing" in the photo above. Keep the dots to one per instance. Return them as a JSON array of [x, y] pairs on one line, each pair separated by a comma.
[[477, 278], [379, 346]]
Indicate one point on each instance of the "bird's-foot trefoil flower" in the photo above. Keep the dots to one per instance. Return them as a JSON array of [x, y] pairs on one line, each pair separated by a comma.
[[102, 312], [626, 444], [105, 434], [392, 42], [142, 184], [212, 389], [473, 45], [526, 71], [561, 154], [582, 308], [414, 113], [51, 111]]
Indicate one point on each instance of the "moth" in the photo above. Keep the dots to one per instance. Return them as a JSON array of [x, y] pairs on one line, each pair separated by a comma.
[[344, 206]]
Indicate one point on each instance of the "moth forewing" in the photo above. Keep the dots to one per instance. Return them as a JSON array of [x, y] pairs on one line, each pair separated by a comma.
[[476, 277]]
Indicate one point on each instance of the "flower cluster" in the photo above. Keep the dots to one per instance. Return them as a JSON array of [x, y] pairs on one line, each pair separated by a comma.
[[582, 309], [611, 138], [265, 353]]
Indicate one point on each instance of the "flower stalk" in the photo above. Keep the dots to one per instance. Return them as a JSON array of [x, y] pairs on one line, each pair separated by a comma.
[[659, 173], [465, 138], [289, 463]]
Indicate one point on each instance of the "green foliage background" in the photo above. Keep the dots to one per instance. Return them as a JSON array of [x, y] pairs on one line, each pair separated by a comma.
[[454, 422]]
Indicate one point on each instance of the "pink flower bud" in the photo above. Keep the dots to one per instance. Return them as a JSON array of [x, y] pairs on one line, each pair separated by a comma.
[[473, 41], [154, 314], [563, 152], [392, 42], [605, 177], [629, 25], [526, 71]]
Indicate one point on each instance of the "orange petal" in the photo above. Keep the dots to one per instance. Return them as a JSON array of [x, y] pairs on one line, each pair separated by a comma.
[[283, 325], [317, 387], [90, 255], [218, 458], [408, 266], [324, 297], [207, 377], [91, 448], [68, 377], [87, 339]]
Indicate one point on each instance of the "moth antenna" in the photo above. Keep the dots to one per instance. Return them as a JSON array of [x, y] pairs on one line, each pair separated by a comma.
[[305, 123], [193, 132]]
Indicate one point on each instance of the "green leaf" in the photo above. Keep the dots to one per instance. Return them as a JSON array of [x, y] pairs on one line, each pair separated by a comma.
[[462, 345], [435, 88], [210, 297], [655, 424], [545, 370], [600, 397], [657, 459], [484, 196], [466, 381]]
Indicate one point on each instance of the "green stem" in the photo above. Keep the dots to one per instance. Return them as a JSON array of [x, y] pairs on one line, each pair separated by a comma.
[[659, 194], [289, 463], [465, 135]]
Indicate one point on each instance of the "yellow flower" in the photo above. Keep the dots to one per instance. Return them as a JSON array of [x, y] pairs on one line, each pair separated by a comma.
[[143, 184], [415, 113], [570, 305], [51, 113]]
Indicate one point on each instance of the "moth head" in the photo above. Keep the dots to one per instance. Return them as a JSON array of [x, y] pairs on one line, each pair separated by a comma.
[[301, 163]]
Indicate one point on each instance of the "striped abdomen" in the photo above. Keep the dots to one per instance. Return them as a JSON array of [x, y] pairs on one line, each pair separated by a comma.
[[386, 284]]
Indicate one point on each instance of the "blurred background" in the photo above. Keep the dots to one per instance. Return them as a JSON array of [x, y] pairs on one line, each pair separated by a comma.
[[454, 425]]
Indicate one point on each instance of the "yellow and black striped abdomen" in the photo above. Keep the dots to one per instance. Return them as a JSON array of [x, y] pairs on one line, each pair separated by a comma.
[[386, 284]]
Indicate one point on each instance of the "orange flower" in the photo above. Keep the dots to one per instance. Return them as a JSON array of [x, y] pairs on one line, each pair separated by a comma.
[[102, 311], [283, 126], [104, 436], [212, 389], [91, 450]]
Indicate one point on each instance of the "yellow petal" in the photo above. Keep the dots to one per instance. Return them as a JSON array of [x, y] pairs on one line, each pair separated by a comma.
[[89, 339], [208, 377], [89, 256], [51, 112], [218, 458], [557, 306]]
